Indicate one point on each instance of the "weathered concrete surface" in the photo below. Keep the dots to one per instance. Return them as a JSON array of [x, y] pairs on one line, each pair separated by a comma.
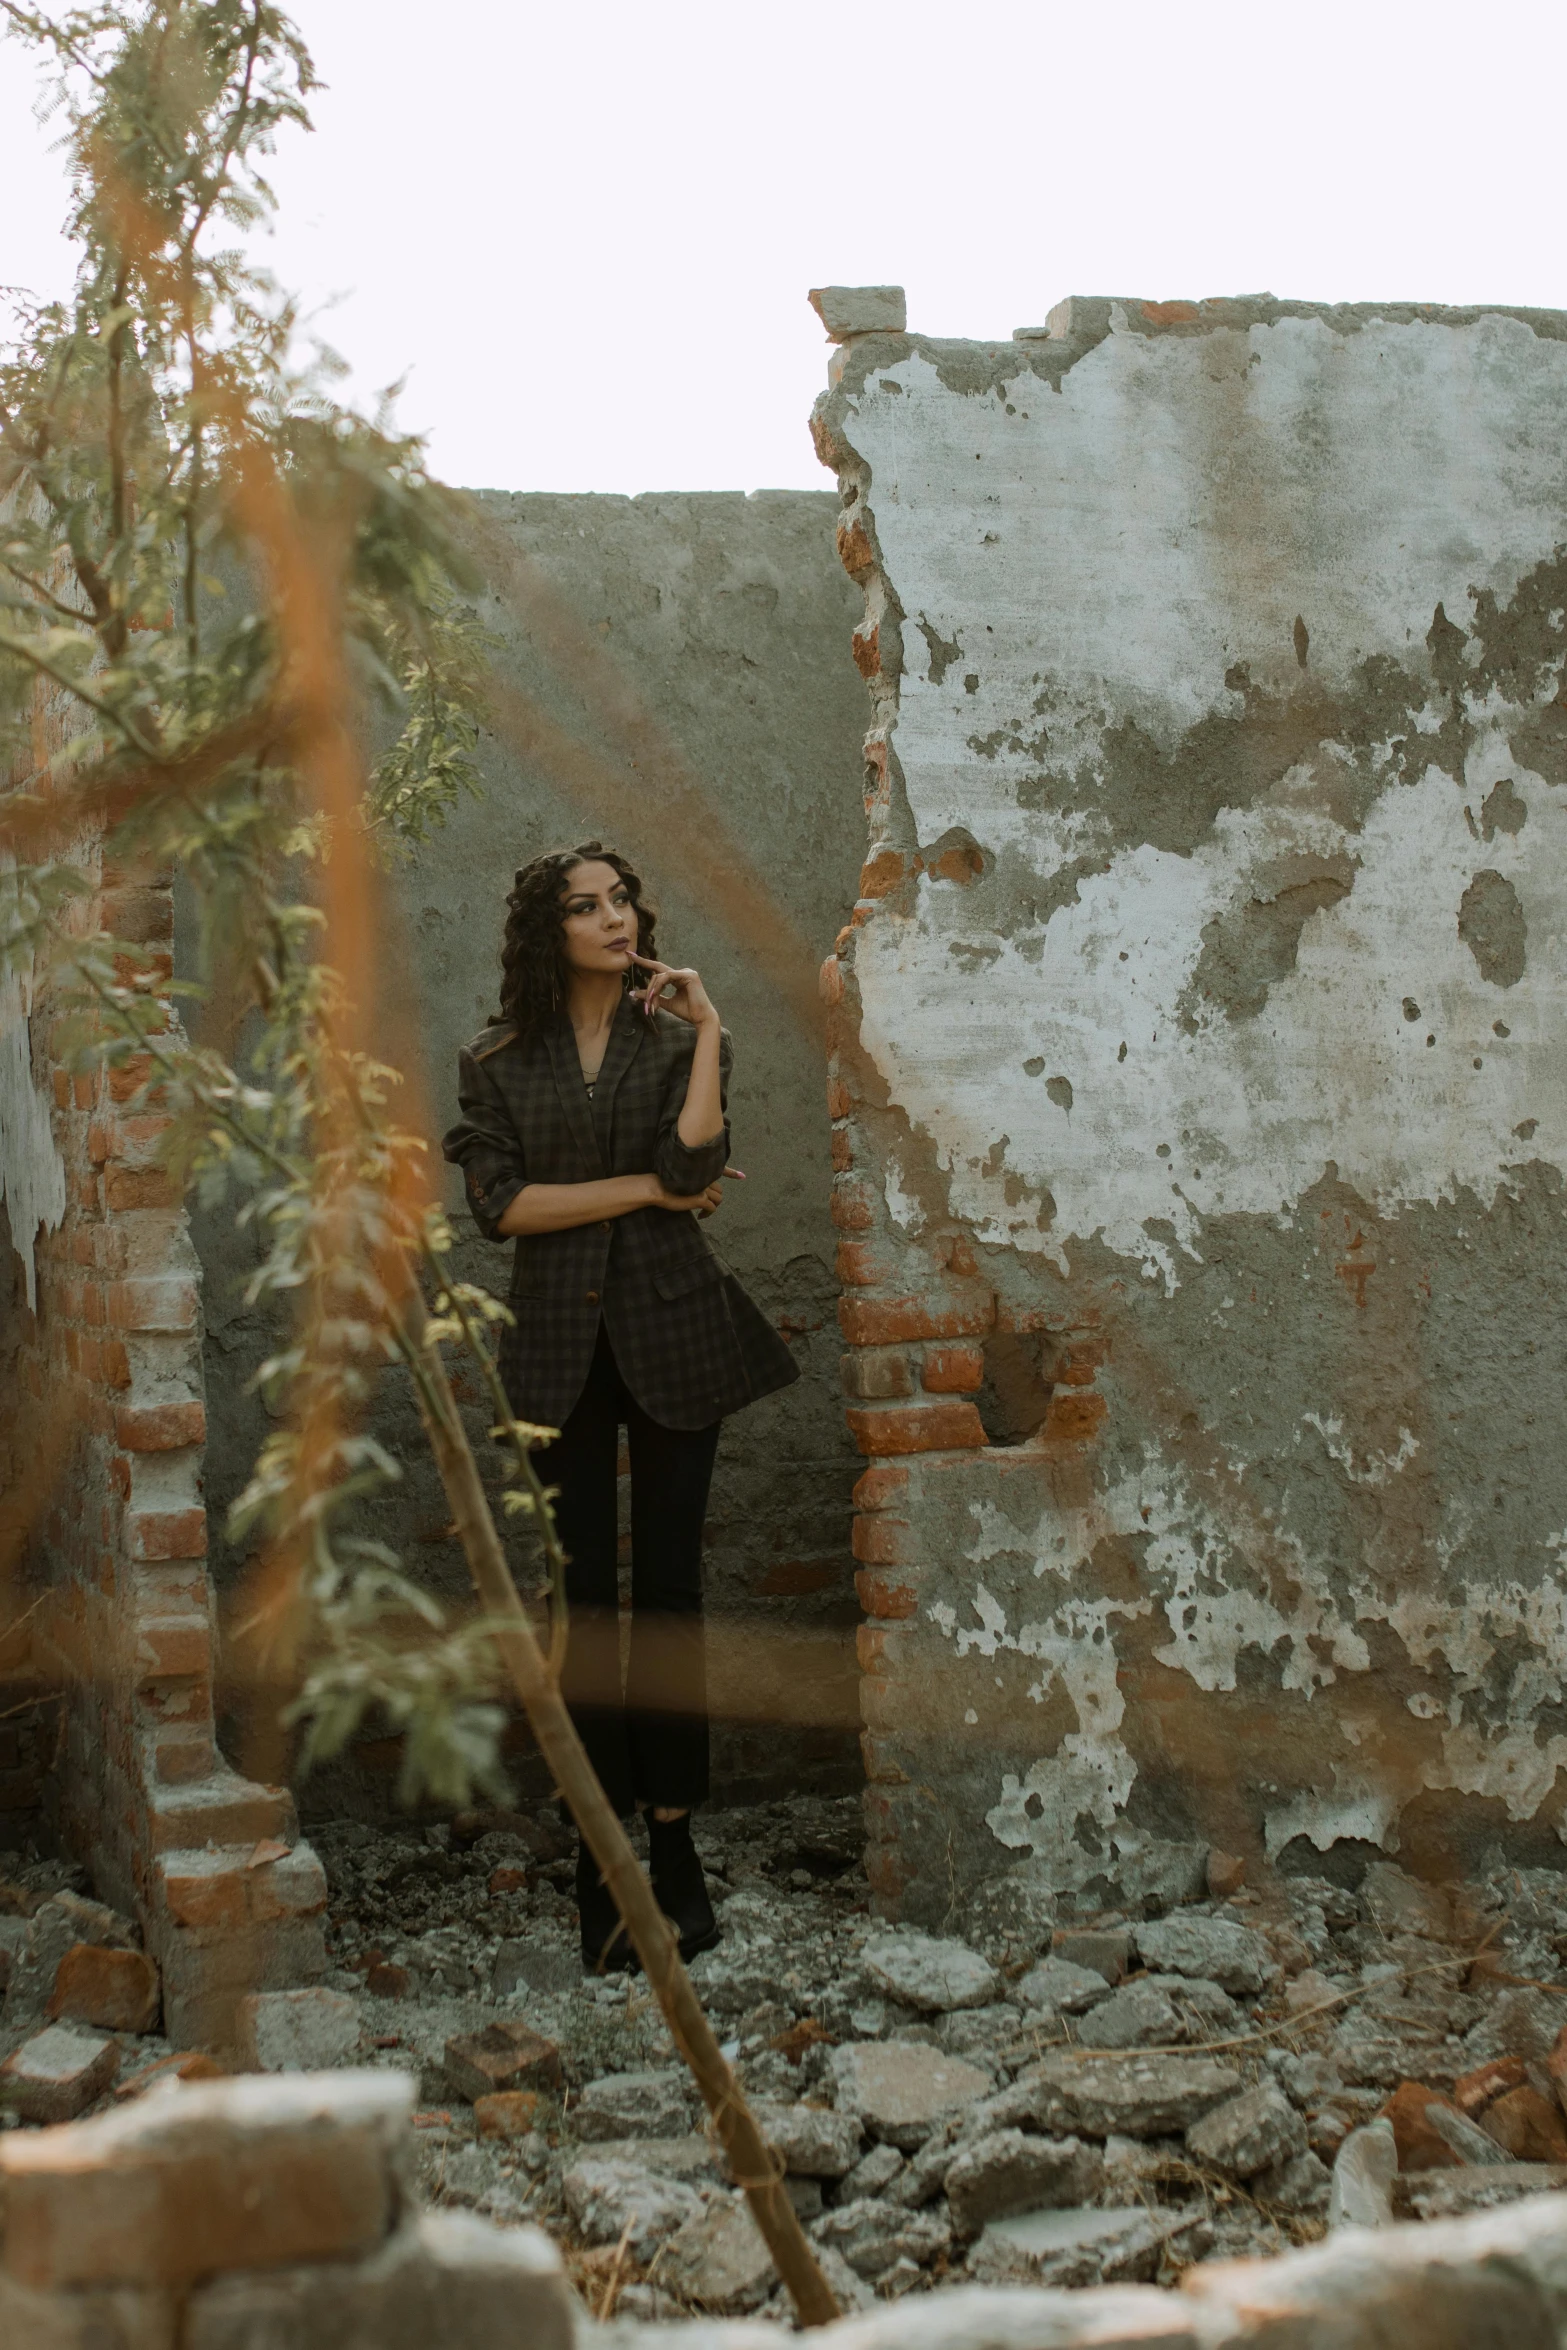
[[671, 669], [1201, 1055]]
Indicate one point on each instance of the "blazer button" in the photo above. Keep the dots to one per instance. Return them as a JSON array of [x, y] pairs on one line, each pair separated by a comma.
[[593, 1297]]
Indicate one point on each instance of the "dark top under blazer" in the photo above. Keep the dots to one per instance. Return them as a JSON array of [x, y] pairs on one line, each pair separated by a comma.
[[690, 1344]]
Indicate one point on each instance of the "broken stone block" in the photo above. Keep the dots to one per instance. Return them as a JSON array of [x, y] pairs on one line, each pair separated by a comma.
[[1010, 2172], [1396, 1903], [718, 2260], [930, 1974], [1300, 2186], [1059, 1987], [1469, 2141], [1140, 2014], [1420, 2146], [810, 2141], [534, 1966], [501, 2056], [1135, 2096], [1452, 2194], [1527, 2127], [117, 1990], [186, 2064], [57, 2074], [692, 2158], [55, 1927], [899, 2090], [875, 2173], [1523, 2022], [296, 2031], [1224, 1874], [1474, 2091], [871, 2236], [1106, 1949], [859, 310], [1216, 1949], [220, 2175], [611, 2199], [1011, 1917], [509, 2113], [1363, 2175], [444, 2277], [633, 2105], [1249, 2133], [1076, 2248]]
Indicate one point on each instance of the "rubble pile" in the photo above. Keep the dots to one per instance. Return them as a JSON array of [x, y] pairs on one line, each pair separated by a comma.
[[1028, 2097]]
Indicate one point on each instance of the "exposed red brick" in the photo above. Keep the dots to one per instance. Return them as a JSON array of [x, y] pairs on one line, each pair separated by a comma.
[[1526, 2126], [892, 1321], [878, 1488], [116, 1990], [60, 1085], [886, 871], [840, 1101], [159, 1427], [855, 552], [510, 2113], [508, 1879], [907, 1428], [870, 1643], [84, 1090], [1073, 1417], [953, 1370], [883, 1541], [842, 1151], [1171, 313], [867, 652], [857, 1265], [1419, 2145], [140, 1187], [876, 1374], [167, 1534], [879, 1597], [830, 981], [127, 1077], [167, 1302], [1474, 2091], [173, 1648], [852, 1208], [962, 865], [141, 916]]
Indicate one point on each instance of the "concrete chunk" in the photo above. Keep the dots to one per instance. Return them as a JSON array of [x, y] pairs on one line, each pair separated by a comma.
[[1060, 1987], [257, 2172], [1009, 2172], [929, 1973], [809, 2141], [504, 2055], [1132, 2095], [1215, 1949], [445, 2278], [633, 2105], [57, 2074], [900, 2089], [1250, 2132], [719, 2261], [611, 2199], [859, 310], [297, 2031]]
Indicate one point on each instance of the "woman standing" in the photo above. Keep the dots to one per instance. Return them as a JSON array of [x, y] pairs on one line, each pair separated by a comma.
[[593, 1131]]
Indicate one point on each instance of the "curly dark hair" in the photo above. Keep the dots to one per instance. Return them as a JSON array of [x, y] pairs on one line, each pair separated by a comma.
[[533, 963]]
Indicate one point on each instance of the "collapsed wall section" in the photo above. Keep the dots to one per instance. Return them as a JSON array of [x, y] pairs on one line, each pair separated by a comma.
[[1199, 1089]]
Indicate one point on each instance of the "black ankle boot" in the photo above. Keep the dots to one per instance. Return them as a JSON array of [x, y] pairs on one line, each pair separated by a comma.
[[679, 1883], [606, 1946]]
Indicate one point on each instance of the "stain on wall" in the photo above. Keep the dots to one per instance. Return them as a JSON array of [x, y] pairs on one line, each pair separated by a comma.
[[1232, 1058]]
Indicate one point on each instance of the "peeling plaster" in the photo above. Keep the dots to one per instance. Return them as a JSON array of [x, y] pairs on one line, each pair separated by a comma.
[[32, 1170]]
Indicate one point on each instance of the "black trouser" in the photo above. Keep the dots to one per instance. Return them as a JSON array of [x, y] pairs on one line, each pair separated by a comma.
[[649, 1742]]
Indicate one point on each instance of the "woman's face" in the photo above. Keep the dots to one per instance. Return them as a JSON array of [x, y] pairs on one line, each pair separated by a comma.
[[601, 922]]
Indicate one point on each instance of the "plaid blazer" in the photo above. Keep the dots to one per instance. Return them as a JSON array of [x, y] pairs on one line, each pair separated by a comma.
[[690, 1344]]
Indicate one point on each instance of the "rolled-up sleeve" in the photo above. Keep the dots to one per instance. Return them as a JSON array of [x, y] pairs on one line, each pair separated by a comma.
[[486, 1145], [680, 1168]]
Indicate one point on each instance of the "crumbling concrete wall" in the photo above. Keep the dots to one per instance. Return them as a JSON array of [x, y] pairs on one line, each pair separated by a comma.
[[671, 670], [1199, 1088]]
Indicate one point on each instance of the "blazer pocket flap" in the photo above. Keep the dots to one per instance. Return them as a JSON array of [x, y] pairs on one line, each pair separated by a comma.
[[673, 1281]]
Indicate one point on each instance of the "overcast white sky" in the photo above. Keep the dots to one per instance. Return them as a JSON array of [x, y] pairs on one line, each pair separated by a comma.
[[584, 234]]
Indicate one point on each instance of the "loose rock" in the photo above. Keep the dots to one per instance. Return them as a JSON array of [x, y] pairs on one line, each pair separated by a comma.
[[1009, 2172], [502, 2056], [899, 2090], [57, 2074], [633, 2105], [296, 2031], [932, 1975], [871, 2236], [1224, 1953], [1249, 2133], [1137, 2096], [814, 2143], [718, 2260], [1060, 1987], [1074, 2248], [1363, 2175], [611, 2199], [1107, 1950], [115, 1989], [875, 2173]]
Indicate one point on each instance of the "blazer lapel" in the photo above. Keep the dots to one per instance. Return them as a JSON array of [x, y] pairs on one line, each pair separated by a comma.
[[625, 1042], [573, 1093]]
